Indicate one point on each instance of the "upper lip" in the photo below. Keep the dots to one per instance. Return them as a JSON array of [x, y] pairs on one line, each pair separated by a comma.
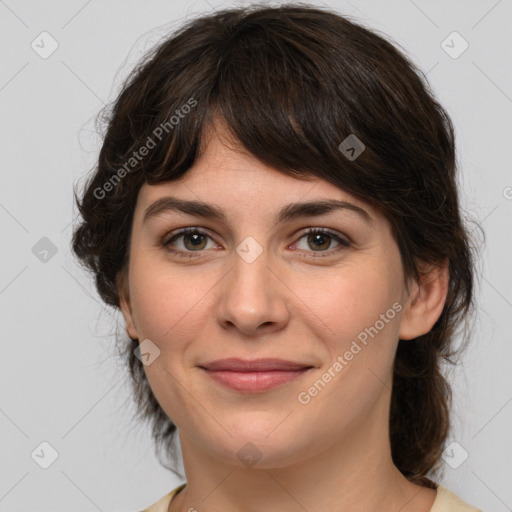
[[255, 365]]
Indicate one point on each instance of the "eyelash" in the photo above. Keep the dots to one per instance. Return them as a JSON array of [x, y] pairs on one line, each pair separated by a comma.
[[311, 231]]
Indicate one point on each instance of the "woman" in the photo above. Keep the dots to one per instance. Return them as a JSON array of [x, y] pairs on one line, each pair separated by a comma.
[[275, 213]]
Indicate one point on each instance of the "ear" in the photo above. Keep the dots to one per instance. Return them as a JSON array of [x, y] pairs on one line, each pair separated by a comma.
[[124, 303], [426, 301]]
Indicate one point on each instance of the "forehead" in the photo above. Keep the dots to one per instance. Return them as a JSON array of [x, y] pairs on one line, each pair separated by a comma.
[[226, 174]]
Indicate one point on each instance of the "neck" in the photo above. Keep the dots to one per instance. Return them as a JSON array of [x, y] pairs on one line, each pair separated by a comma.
[[354, 473]]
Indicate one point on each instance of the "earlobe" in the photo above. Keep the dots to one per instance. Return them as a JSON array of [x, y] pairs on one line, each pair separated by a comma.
[[124, 304], [426, 302]]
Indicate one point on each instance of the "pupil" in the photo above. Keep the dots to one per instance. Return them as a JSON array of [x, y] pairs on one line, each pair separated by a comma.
[[318, 236], [196, 239]]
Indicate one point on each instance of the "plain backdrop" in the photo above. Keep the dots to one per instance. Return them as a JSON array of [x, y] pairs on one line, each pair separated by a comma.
[[60, 383]]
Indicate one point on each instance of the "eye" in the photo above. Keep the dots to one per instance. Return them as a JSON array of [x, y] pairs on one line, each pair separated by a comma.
[[195, 240], [320, 239]]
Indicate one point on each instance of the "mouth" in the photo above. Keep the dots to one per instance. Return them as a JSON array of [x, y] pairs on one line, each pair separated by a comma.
[[255, 376]]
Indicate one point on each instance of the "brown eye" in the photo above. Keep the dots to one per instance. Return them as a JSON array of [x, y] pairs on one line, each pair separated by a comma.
[[320, 240], [194, 240]]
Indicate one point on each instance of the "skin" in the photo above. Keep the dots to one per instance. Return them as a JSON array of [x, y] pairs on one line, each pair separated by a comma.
[[291, 303]]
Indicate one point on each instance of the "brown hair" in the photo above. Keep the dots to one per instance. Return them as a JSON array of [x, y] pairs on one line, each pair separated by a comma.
[[291, 83]]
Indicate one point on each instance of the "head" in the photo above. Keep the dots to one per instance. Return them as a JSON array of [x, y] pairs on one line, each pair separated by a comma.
[[250, 110]]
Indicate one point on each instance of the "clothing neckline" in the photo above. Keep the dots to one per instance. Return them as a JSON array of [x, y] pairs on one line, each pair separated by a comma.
[[444, 497], [178, 489]]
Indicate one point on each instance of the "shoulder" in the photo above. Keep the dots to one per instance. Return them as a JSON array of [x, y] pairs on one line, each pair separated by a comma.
[[162, 505], [446, 501]]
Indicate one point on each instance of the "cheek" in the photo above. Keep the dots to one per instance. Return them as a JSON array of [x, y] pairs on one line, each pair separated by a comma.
[[357, 322], [168, 303], [346, 302]]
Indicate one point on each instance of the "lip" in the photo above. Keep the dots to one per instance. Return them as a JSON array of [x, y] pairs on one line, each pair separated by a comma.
[[254, 376], [235, 364]]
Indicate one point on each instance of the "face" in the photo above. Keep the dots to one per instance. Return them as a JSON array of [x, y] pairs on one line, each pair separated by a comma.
[[252, 285]]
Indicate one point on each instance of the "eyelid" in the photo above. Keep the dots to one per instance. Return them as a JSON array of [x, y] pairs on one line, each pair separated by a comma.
[[332, 232], [183, 231], [343, 240]]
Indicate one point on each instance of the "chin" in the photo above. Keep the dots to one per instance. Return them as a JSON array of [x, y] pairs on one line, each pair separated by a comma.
[[261, 448]]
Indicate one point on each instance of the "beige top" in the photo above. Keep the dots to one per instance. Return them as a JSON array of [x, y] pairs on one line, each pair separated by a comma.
[[445, 501]]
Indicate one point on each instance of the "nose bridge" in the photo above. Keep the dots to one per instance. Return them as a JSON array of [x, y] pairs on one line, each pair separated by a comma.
[[252, 296]]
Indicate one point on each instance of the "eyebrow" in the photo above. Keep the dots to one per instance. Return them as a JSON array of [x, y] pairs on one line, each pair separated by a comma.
[[289, 212]]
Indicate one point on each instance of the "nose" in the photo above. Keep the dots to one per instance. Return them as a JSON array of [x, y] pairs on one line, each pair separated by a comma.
[[253, 297]]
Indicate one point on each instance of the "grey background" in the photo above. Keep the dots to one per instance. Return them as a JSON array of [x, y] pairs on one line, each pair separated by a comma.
[[60, 381]]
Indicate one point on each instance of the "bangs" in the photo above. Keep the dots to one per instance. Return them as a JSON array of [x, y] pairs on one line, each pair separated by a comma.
[[284, 98]]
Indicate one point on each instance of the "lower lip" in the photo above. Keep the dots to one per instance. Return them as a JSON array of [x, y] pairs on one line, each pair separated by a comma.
[[255, 382]]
